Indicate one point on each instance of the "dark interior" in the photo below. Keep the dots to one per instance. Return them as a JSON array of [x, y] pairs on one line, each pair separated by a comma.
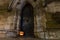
[[56, 17]]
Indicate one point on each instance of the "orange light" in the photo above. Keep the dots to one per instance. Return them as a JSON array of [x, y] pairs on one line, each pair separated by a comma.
[[21, 33]]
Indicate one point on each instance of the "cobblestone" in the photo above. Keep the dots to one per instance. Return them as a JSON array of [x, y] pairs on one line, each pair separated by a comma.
[[19, 39]]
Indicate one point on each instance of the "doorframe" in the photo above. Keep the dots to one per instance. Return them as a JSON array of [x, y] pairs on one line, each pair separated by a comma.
[[32, 12]]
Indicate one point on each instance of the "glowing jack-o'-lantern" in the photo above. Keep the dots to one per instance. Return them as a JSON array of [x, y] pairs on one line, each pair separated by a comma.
[[21, 33]]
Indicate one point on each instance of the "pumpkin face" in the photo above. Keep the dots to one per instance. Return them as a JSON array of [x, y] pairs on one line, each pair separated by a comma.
[[21, 33]]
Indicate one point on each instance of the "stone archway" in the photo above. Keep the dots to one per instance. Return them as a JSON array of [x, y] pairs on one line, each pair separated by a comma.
[[27, 20]]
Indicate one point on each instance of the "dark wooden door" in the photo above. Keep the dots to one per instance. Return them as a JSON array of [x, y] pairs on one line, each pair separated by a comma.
[[27, 20]]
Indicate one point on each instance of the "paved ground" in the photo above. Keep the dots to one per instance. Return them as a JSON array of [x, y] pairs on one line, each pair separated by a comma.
[[25, 39], [19, 39]]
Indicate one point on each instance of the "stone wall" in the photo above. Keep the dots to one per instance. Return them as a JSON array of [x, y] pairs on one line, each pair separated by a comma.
[[8, 18]]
